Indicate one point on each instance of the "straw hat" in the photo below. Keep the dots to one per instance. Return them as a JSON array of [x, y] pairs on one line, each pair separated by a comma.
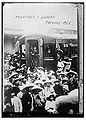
[[11, 68], [38, 82], [13, 74], [72, 72], [55, 80], [65, 79], [62, 73], [18, 79], [37, 88], [48, 81], [27, 86]]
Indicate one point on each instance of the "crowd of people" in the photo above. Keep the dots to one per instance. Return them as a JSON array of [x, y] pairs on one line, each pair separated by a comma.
[[35, 92]]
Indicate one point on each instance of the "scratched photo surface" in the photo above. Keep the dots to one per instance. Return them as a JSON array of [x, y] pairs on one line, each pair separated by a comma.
[[42, 59]]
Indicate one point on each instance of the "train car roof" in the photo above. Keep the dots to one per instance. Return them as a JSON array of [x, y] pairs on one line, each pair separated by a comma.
[[37, 36], [49, 39]]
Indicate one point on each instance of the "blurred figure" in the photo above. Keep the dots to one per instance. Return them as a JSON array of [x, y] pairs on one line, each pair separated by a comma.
[[41, 93], [48, 89], [16, 102], [8, 107], [58, 88], [13, 103], [26, 102], [38, 104], [50, 104], [17, 45], [71, 112], [67, 63], [60, 64]]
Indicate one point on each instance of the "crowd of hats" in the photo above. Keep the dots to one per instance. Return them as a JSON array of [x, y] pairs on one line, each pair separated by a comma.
[[19, 74], [20, 78]]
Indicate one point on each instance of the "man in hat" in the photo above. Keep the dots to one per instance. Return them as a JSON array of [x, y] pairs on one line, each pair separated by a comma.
[[38, 104], [60, 64], [26, 102], [33, 58], [59, 53], [67, 64], [41, 93], [12, 69], [16, 102], [13, 76], [48, 89], [17, 45], [73, 83], [61, 75], [58, 88], [50, 104], [65, 85]]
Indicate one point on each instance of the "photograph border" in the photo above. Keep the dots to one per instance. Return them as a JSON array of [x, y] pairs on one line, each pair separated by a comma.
[[2, 52]]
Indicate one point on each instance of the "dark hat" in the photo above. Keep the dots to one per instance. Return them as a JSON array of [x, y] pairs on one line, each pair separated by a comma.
[[15, 90], [17, 53], [48, 98], [72, 72]]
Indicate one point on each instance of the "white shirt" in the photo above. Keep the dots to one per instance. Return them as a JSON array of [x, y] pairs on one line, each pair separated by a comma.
[[50, 106], [17, 104], [48, 91], [66, 87], [60, 64]]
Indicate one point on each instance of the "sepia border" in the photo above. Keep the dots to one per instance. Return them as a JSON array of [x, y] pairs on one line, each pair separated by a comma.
[[81, 50]]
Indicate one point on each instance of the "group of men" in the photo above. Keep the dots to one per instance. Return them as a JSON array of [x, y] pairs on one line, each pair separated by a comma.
[[28, 92]]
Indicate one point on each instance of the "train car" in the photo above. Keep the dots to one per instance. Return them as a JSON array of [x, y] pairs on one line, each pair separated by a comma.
[[40, 50]]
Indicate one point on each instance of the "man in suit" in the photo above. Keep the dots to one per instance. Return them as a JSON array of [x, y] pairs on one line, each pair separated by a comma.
[[58, 88]]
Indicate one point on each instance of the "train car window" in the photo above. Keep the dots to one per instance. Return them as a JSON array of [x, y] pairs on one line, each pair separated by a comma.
[[33, 46], [49, 50], [74, 50], [64, 47]]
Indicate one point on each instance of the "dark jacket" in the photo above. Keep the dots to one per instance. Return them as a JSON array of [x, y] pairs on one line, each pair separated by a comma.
[[58, 90], [26, 102]]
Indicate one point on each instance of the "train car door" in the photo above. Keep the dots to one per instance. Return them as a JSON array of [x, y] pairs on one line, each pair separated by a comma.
[[32, 53], [49, 55]]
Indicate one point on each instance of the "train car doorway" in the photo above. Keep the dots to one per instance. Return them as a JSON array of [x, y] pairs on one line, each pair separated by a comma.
[[41, 51], [49, 55], [32, 53]]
